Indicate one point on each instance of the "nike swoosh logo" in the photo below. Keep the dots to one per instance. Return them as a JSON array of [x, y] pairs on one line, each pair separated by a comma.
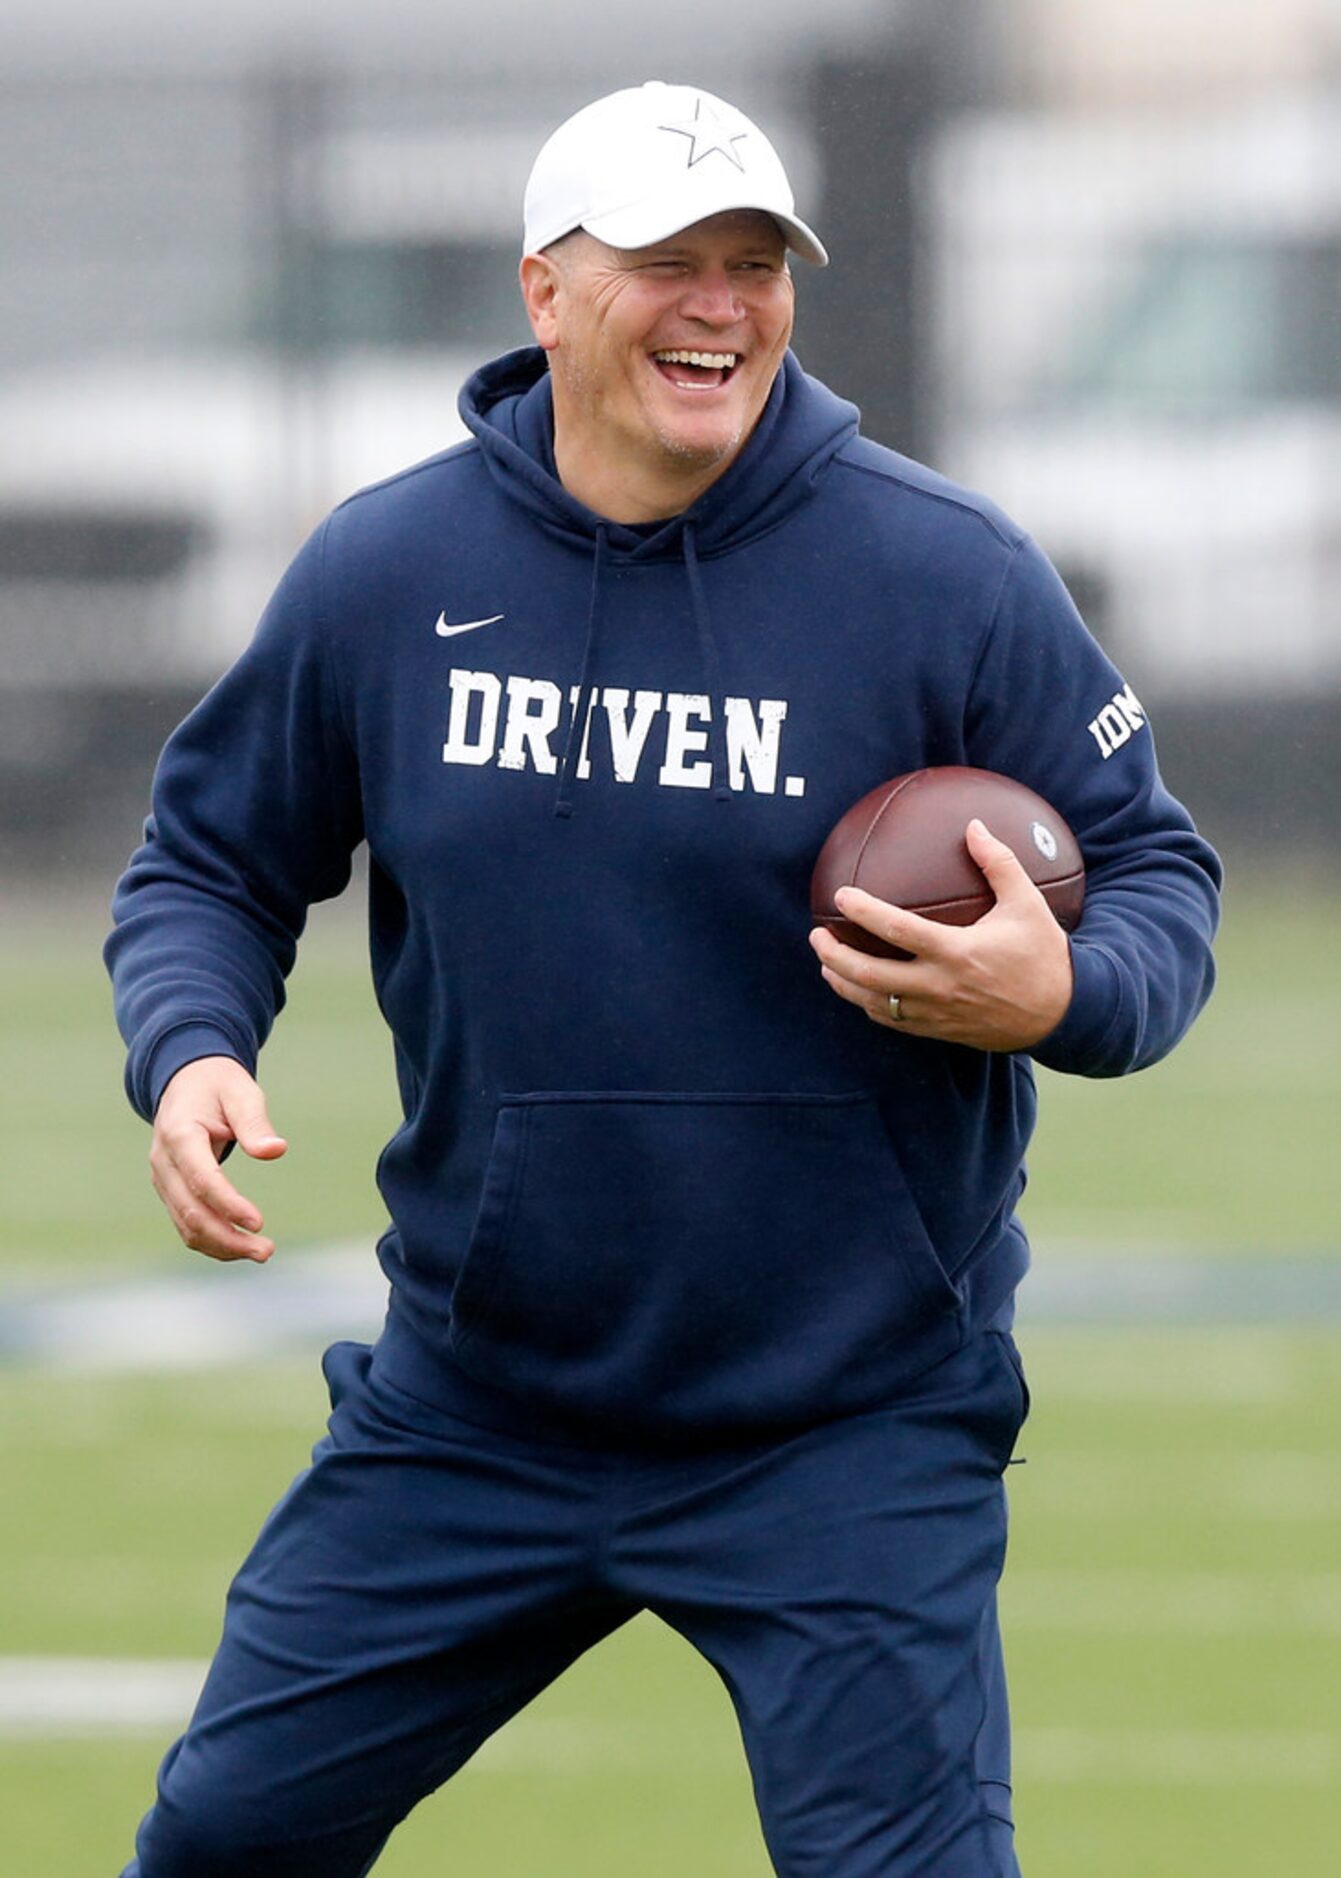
[[466, 626]]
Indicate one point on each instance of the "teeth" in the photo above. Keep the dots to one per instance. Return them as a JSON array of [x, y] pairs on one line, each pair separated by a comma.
[[722, 361]]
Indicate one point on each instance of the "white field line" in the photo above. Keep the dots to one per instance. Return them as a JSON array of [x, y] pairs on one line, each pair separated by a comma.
[[1174, 1604], [201, 1314], [204, 1316], [81, 1697], [1178, 1757]]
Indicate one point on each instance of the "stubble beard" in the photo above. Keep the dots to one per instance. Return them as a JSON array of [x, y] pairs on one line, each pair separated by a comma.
[[688, 467], [678, 453]]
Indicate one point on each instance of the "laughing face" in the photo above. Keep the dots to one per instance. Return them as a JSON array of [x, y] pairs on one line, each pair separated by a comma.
[[662, 358]]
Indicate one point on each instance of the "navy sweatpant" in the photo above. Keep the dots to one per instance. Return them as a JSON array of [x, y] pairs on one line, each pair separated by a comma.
[[427, 1577]]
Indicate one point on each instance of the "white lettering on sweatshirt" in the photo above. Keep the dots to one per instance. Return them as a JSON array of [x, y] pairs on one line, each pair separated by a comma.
[[1115, 725], [534, 724]]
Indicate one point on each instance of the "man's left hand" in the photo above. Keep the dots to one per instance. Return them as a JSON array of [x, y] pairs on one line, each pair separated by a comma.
[[1000, 984]]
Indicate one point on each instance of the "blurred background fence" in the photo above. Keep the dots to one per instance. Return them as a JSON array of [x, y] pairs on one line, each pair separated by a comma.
[[1086, 258]]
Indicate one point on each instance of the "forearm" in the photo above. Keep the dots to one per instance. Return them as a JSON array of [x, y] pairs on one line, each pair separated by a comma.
[[194, 974], [256, 813], [1143, 967]]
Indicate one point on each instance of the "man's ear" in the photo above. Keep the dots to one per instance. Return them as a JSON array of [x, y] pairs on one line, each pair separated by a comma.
[[541, 279]]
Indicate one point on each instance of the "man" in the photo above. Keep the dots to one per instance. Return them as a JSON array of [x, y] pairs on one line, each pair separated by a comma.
[[701, 1275]]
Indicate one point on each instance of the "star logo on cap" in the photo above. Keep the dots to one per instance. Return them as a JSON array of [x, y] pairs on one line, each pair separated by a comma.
[[709, 134]]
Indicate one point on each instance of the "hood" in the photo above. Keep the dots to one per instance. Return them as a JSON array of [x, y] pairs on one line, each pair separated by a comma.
[[508, 405]]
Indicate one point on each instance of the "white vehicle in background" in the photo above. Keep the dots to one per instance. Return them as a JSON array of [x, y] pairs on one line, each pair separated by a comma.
[[147, 510], [154, 503], [1173, 437], [156, 478], [162, 456]]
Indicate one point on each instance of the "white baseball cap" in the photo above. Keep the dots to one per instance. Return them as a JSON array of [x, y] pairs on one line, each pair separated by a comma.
[[644, 163]]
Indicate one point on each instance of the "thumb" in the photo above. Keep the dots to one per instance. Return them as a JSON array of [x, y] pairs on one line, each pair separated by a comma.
[[246, 1115], [1005, 873]]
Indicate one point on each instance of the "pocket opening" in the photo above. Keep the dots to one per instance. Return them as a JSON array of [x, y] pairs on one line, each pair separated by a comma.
[[727, 1255]]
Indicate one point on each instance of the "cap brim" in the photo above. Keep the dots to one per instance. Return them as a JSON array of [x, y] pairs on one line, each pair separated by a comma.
[[641, 226]]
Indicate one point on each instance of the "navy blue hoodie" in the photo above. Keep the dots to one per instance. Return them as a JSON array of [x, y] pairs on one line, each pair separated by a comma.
[[653, 1174]]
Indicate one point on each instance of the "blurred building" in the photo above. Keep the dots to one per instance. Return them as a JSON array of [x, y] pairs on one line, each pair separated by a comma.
[[1086, 258], [1178, 53]]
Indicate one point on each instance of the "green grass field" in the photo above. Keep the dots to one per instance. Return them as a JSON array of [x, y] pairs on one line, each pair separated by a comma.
[[1173, 1606]]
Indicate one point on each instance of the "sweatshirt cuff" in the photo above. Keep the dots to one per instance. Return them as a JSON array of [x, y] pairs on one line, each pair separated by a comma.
[[186, 1044], [1082, 1044]]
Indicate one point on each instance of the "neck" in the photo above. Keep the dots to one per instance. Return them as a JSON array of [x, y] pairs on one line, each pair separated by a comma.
[[631, 493]]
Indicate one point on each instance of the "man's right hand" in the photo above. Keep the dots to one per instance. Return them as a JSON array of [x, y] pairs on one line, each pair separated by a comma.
[[207, 1104]]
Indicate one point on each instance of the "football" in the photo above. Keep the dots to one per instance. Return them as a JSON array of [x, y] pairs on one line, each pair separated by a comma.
[[904, 842]]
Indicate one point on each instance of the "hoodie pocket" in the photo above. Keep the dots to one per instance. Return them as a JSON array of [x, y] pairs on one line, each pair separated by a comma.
[[699, 1260]]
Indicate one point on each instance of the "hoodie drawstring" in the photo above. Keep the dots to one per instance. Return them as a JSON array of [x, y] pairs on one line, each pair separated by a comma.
[[577, 729], [712, 671], [575, 746]]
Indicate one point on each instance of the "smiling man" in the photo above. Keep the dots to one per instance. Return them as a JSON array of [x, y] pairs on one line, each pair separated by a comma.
[[661, 357], [702, 1250]]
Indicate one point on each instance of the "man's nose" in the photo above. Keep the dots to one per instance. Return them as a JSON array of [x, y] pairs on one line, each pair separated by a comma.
[[713, 299]]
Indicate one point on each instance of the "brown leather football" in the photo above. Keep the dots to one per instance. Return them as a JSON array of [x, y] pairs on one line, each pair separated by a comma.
[[904, 842]]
